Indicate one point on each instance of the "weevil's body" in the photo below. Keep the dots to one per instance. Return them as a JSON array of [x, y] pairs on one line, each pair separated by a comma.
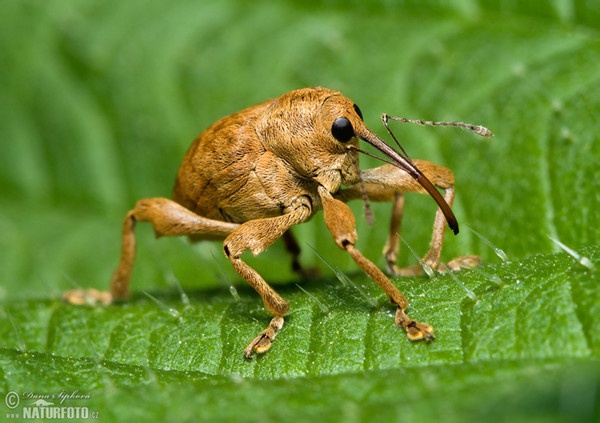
[[256, 163], [251, 176]]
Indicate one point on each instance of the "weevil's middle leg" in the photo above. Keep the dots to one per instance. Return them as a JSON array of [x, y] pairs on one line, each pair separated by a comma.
[[392, 245], [292, 246]]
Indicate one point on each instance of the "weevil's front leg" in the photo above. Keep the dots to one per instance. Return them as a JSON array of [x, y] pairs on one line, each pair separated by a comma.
[[255, 236], [342, 225], [168, 219]]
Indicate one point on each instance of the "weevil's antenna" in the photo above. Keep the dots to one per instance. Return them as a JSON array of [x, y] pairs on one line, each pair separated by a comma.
[[403, 162], [384, 118], [478, 129]]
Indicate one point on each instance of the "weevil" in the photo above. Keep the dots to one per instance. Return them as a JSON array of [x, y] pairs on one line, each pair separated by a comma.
[[251, 176]]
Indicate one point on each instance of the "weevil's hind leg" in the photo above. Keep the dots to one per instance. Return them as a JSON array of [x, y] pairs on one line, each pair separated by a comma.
[[168, 219]]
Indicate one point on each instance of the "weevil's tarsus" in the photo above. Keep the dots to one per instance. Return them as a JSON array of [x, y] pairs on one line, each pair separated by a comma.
[[262, 342], [88, 296], [460, 263], [415, 331]]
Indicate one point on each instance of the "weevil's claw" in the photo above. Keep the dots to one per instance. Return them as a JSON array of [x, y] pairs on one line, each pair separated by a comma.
[[88, 297], [415, 331], [262, 342]]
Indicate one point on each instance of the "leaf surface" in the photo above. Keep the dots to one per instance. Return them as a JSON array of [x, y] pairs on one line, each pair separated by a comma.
[[101, 101]]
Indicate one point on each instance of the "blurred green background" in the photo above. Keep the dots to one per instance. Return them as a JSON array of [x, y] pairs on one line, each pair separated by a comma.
[[100, 100]]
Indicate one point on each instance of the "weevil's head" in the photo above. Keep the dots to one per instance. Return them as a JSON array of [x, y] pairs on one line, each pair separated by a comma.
[[317, 131], [311, 129]]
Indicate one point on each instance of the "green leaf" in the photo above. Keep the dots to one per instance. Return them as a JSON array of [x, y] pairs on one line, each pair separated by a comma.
[[100, 101]]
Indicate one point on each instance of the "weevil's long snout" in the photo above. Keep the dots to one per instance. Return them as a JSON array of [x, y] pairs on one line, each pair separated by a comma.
[[406, 164]]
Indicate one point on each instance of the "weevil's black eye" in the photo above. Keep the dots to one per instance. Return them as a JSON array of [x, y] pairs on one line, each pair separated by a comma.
[[342, 129], [358, 112]]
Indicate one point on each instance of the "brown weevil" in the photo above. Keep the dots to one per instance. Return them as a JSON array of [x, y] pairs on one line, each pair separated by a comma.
[[251, 176]]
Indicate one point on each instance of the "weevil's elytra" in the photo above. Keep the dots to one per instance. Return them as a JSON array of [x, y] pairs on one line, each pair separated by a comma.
[[249, 177]]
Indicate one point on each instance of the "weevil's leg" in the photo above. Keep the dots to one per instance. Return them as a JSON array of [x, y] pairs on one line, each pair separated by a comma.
[[262, 342], [168, 219], [291, 244], [294, 249], [382, 183], [255, 236], [341, 223], [392, 245], [432, 258]]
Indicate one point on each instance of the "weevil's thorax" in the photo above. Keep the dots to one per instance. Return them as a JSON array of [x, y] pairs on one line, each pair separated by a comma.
[[299, 128]]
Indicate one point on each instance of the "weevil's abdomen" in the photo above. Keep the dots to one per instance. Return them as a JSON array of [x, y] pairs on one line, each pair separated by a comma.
[[227, 173]]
